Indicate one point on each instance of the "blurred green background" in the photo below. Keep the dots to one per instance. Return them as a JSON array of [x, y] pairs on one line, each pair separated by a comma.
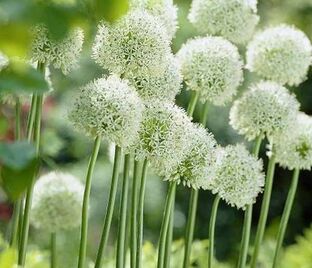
[[67, 150]]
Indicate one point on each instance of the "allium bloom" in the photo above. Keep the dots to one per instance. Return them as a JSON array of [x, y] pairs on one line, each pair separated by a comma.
[[211, 65], [4, 61], [293, 147], [108, 107], [57, 202], [235, 20], [137, 42], [163, 136], [282, 54], [165, 10], [63, 54], [198, 166], [163, 86], [266, 108], [239, 177]]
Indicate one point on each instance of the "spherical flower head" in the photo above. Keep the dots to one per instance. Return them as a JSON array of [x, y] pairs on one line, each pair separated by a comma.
[[265, 109], [137, 42], [198, 165], [164, 86], [62, 54], [235, 20], [108, 107], [4, 61], [57, 202], [163, 136], [211, 65], [282, 54], [239, 177], [293, 147]]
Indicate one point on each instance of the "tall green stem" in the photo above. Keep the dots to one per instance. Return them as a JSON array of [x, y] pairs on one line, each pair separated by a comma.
[[110, 208], [204, 114], [140, 215], [85, 204], [53, 250], [165, 224], [212, 225], [285, 216], [133, 219], [264, 210], [192, 103], [31, 117], [120, 256]]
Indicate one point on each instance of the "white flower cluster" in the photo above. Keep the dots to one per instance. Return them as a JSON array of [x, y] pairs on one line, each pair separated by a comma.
[[63, 54], [239, 177], [266, 108], [137, 43], [57, 202], [108, 107], [211, 65], [282, 54], [197, 167], [4, 61], [293, 147], [235, 20]]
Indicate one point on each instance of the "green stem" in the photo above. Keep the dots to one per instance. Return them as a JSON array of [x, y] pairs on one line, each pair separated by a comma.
[[264, 210], [140, 215], [204, 114], [120, 256], [190, 227], [212, 225], [110, 208], [165, 224], [85, 204], [133, 219], [192, 103], [53, 250], [31, 117], [285, 216]]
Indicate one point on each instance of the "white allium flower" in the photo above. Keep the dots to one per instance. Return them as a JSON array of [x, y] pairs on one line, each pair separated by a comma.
[[293, 147], [108, 107], [4, 61], [239, 177], [235, 20], [165, 10], [136, 42], [198, 166], [163, 86], [57, 202], [63, 54], [282, 54], [163, 136], [266, 108], [211, 65]]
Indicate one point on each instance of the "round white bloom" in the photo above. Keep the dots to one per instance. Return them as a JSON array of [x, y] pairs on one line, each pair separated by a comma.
[[164, 86], [4, 61], [211, 65], [266, 108], [239, 177], [235, 20], [293, 147], [163, 136], [198, 166], [57, 202], [63, 54], [282, 54], [136, 42], [108, 107]]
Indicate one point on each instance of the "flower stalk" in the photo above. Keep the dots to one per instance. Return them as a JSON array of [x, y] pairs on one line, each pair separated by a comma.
[[53, 250]]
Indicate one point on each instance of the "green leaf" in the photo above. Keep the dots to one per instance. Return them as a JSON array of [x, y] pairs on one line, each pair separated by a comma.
[[17, 155], [21, 77]]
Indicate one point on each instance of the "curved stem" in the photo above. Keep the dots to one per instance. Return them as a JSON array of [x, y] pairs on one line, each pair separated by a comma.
[[120, 256], [165, 223], [192, 103], [110, 208], [264, 210], [285, 216], [85, 204], [134, 206], [212, 225], [140, 215], [53, 250], [190, 227]]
